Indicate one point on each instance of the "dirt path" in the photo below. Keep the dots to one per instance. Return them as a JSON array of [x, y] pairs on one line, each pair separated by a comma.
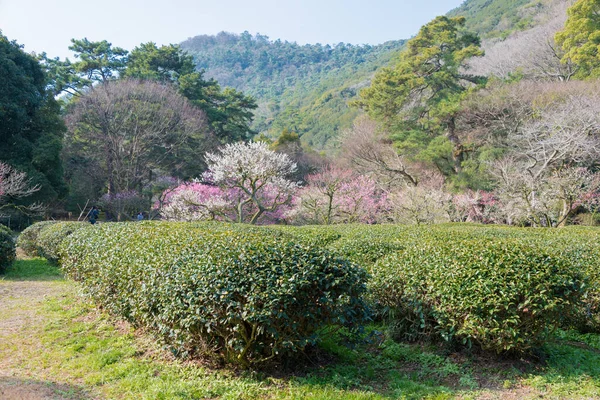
[[20, 301], [20, 317]]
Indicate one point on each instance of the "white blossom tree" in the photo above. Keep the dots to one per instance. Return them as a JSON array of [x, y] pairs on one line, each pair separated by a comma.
[[195, 201], [15, 185], [258, 174]]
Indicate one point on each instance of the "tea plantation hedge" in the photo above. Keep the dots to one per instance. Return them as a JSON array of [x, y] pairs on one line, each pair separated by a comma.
[[250, 293], [7, 248], [28, 239], [245, 294], [566, 260], [504, 295], [51, 236]]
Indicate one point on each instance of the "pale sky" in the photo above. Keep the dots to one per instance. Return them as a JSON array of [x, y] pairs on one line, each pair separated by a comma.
[[49, 25]]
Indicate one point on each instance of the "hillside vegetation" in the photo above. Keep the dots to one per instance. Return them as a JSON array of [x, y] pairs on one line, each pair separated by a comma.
[[499, 18], [307, 88], [302, 88]]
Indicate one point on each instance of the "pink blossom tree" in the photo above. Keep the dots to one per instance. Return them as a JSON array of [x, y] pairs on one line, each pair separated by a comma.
[[476, 206], [245, 183], [337, 195]]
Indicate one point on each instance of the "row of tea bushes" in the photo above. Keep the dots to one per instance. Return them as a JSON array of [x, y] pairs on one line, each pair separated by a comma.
[[407, 262], [51, 237], [244, 294], [7, 248], [28, 239], [43, 239], [502, 294], [502, 288]]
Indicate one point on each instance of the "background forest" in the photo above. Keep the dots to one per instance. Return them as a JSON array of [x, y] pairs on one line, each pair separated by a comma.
[[489, 114]]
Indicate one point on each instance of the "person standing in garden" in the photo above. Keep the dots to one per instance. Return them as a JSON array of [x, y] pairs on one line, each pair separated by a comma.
[[93, 215]]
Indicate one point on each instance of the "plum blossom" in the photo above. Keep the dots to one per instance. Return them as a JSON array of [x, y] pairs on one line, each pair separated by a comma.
[[245, 183], [338, 195]]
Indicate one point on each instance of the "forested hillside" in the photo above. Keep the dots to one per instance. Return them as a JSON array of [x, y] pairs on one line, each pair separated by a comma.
[[499, 18], [307, 88], [464, 106]]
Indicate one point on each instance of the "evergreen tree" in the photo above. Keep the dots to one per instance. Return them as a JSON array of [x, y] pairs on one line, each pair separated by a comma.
[[31, 129], [580, 38], [417, 99]]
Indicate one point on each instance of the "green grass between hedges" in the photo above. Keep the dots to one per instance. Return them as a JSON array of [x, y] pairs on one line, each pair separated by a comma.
[[95, 356], [32, 269]]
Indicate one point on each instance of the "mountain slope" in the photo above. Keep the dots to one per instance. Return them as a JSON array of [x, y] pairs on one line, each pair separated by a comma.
[[304, 88], [494, 18], [307, 88]]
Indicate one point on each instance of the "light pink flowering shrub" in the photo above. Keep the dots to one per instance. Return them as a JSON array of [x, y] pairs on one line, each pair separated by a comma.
[[337, 195]]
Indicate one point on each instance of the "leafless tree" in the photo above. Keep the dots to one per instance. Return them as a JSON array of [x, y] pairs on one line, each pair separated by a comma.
[[541, 128], [549, 200], [426, 203], [368, 151], [127, 131], [503, 113], [490, 115], [15, 185], [531, 53], [563, 133], [548, 150]]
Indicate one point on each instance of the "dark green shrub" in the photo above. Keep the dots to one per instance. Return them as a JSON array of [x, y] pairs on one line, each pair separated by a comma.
[[502, 294], [7, 248], [51, 236], [245, 294], [27, 240]]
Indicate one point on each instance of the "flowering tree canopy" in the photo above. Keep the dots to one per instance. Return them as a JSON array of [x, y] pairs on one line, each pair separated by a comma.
[[259, 175], [245, 183], [476, 206], [195, 201], [337, 195], [15, 185]]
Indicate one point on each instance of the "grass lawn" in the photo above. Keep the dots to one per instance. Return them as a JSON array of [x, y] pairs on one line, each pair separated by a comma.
[[54, 343]]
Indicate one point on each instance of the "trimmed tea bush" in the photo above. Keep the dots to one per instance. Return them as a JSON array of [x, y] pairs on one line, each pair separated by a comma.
[[583, 247], [244, 294], [317, 234], [51, 236], [7, 248], [366, 244], [27, 240], [502, 294]]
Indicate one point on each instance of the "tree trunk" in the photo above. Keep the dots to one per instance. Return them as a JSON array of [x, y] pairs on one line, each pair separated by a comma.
[[564, 215], [458, 152], [329, 210]]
